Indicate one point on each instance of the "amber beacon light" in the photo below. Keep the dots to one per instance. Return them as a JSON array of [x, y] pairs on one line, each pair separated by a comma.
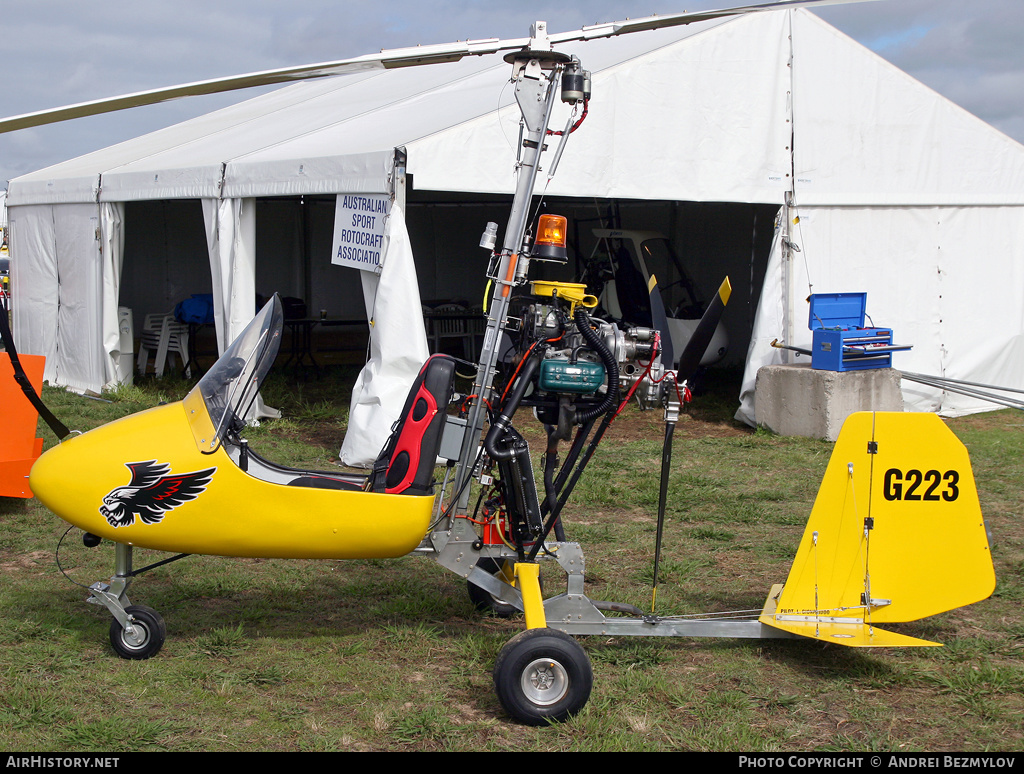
[[550, 242]]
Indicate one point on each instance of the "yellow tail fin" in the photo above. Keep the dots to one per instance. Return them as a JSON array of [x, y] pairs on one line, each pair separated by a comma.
[[896, 534]]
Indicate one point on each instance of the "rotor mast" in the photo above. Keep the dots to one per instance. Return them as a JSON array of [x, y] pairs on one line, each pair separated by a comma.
[[536, 72]]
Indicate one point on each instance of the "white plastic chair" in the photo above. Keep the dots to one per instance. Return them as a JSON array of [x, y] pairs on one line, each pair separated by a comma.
[[163, 336]]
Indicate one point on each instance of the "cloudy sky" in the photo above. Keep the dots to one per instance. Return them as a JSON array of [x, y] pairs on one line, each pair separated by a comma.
[[57, 52]]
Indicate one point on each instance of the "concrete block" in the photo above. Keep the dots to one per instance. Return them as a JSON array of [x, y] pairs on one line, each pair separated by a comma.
[[799, 400]]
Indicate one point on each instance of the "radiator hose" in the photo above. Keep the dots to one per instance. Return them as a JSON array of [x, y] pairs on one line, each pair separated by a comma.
[[596, 342]]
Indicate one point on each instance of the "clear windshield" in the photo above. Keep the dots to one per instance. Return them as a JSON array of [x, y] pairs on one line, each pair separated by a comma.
[[229, 388]]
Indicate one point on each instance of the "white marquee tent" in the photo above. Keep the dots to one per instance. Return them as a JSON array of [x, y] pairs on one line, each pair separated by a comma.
[[886, 187]]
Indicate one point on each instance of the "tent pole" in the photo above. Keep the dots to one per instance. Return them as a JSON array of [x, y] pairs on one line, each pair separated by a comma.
[[787, 215]]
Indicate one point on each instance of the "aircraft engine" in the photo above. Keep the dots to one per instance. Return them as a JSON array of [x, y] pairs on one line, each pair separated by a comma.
[[585, 365]]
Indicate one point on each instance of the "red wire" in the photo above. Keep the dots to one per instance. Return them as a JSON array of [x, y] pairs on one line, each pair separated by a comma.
[[657, 348], [515, 373], [468, 398], [647, 371], [523, 360], [574, 127]]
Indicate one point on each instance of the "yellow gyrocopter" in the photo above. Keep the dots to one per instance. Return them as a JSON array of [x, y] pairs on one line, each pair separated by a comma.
[[896, 532]]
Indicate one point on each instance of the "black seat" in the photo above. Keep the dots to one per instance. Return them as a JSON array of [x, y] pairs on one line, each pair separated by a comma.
[[324, 482], [406, 463]]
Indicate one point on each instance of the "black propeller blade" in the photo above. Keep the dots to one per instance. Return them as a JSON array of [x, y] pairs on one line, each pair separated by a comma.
[[659, 319], [689, 361]]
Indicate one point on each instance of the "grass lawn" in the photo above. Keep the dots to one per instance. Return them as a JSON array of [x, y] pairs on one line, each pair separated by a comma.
[[290, 655]]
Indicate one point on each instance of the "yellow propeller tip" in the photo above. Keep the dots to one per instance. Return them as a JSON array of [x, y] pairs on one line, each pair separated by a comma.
[[725, 290]]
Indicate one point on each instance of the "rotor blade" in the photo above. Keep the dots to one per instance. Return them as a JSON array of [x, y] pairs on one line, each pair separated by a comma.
[[689, 361], [609, 29], [398, 57], [659, 320]]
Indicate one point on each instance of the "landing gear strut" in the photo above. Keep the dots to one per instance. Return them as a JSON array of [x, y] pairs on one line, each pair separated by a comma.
[[137, 631]]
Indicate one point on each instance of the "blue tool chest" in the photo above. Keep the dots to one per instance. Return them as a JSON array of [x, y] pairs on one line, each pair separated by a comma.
[[840, 340]]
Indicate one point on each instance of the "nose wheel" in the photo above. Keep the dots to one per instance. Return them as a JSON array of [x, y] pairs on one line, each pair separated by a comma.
[[542, 676], [137, 632], [142, 635]]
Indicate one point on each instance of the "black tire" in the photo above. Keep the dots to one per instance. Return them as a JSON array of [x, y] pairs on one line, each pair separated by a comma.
[[483, 600], [542, 676], [150, 633]]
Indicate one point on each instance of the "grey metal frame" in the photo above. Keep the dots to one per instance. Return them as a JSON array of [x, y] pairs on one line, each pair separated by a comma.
[[456, 546]]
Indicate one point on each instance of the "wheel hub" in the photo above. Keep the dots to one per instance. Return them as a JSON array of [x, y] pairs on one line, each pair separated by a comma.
[[545, 681], [135, 634]]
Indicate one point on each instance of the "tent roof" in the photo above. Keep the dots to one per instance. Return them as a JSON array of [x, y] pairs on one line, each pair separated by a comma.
[[868, 133], [707, 112]]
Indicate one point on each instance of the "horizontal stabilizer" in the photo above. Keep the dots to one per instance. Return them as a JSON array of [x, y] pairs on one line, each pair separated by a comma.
[[849, 631], [896, 534]]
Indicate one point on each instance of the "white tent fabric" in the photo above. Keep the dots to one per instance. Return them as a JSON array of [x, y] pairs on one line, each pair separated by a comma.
[[231, 239], [111, 236], [903, 195], [655, 130], [866, 133], [60, 304], [396, 349], [697, 114], [899, 192]]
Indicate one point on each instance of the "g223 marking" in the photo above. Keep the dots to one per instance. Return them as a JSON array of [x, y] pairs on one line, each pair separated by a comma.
[[913, 485]]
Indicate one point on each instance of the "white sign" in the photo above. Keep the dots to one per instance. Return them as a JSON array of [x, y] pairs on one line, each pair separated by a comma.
[[359, 230]]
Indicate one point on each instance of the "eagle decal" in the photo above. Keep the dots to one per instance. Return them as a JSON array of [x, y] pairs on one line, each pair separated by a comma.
[[152, 493]]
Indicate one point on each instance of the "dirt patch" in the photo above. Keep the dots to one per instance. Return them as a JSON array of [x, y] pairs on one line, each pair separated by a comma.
[[634, 425], [698, 428], [36, 562]]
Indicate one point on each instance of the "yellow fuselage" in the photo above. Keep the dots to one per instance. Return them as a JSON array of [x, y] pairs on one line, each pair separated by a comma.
[[229, 512]]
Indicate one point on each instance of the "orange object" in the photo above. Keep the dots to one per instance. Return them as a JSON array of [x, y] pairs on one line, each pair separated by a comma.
[[513, 259], [551, 231], [19, 448], [492, 533], [550, 242]]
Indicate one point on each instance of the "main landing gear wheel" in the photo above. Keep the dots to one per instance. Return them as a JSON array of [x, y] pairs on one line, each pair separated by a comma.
[[143, 637], [485, 601], [542, 676]]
